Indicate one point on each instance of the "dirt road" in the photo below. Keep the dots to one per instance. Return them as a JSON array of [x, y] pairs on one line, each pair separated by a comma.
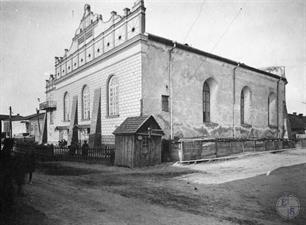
[[77, 193]]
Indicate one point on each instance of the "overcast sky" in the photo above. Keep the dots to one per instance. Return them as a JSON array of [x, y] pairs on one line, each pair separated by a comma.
[[258, 33]]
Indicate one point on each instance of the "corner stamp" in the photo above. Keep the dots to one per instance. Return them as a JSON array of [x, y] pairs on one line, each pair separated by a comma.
[[288, 206]]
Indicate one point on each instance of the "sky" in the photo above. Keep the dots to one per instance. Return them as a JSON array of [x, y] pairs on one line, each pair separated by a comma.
[[259, 33]]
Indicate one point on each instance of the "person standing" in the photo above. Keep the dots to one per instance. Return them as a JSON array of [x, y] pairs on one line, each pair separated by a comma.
[[85, 148], [31, 164], [19, 170], [7, 171]]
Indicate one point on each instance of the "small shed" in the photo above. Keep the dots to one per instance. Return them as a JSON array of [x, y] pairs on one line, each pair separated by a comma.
[[138, 142]]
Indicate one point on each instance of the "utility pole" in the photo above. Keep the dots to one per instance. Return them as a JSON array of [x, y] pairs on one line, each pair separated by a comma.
[[37, 111], [10, 118]]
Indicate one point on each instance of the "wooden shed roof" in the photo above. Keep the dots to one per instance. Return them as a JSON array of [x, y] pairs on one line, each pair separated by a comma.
[[132, 124]]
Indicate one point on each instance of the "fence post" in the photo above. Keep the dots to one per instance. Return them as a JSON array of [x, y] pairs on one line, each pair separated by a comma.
[[181, 151], [274, 145], [254, 145], [216, 147]]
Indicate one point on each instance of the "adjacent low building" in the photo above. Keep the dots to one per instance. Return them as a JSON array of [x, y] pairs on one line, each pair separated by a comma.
[[23, 127], [34, 125], [17, 128], [113, 69], [298, 125]]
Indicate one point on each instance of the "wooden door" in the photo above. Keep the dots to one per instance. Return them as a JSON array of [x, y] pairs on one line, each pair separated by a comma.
[[148, 151], [144, 151]]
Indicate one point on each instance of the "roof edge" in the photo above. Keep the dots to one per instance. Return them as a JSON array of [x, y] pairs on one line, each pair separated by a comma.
[[210, 55], [148, 116]]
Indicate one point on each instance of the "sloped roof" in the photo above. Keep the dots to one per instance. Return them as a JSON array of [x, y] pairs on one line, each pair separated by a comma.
[[210, 55], [34, 116], [82, 126], [4, 117], [132, 124], [14, 117], [62, 128]]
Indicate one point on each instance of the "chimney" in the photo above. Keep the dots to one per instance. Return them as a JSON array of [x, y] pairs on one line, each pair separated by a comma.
[[66, 52], [126, 11], [56, 59], [301, 115], [294, 113]]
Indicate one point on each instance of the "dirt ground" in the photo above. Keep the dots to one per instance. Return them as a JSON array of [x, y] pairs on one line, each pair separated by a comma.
[[240, 191]]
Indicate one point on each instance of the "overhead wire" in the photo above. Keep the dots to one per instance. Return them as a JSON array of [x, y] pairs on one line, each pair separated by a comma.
[[227, 29], [196, 19], [215, 45]]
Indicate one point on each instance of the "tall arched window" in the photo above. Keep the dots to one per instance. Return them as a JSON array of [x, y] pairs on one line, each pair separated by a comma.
[[272, 117], [85, 103], [66, 107], [113, 96], [206, 102], [242, 107], [245, 106]]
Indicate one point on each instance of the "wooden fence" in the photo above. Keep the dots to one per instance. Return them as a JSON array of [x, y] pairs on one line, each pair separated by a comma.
[[55, 153], [195, 149]]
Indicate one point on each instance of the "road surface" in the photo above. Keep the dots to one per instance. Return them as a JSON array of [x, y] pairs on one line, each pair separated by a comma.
[[240, 191]]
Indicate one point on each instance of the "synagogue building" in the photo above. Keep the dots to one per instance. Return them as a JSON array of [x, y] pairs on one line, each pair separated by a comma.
[[113, 69]]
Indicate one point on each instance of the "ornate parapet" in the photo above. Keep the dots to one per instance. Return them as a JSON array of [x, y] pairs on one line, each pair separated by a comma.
[[50, 83], [96, 36], [277, 70]]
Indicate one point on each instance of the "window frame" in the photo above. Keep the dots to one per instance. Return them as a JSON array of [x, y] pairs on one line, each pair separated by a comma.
[[113, 97], [272, 109], [242, 107], [206, 102], [85, 116], [66, 105], [51, 119], [165, 100]]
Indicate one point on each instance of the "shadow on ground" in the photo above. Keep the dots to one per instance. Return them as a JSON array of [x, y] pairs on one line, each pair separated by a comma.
[[57, 169], [24, 214]]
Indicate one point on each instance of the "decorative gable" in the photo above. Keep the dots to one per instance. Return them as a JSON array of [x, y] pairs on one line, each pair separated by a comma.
[[96, 36]]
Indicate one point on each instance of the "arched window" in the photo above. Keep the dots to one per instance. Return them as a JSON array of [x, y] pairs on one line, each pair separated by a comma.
[[206, 102], [66, 107], [113, 96], [85, 103], [242, 107], [272, 117], [245, 106]]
